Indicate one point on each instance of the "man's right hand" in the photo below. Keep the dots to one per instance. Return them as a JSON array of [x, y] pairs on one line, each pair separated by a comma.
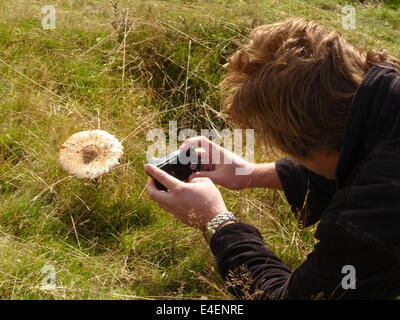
[[229, 170]]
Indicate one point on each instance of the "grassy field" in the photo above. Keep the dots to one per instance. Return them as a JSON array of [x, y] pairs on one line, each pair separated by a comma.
[[127, 67]]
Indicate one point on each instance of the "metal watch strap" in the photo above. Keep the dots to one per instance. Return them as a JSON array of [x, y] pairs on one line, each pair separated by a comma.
[[212, 226]]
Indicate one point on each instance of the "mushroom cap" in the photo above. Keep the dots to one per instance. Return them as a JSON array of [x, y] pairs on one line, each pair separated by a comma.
[[90, 154]]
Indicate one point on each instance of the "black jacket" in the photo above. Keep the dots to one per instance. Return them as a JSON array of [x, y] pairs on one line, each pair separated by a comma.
[[359, 213]]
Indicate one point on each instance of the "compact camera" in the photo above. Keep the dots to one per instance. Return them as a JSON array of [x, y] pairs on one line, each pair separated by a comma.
[[180, 164]]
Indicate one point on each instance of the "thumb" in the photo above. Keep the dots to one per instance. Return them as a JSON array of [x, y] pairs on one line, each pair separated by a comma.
[[203, 174]]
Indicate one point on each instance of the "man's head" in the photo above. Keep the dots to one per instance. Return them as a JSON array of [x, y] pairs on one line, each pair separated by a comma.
[[293, 82]]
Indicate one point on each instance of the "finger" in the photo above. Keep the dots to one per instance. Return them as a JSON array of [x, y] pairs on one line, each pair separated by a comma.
[[210, 152], [205, 160], [161, 176], [200, 152], [163, 199], [155, 194], [200, 180], [198, 142], [202, 174]]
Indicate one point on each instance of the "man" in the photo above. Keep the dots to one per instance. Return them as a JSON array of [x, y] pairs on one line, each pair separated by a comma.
[[335, 110]]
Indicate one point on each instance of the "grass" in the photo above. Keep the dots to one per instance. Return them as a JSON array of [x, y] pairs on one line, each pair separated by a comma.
[[126, 68]]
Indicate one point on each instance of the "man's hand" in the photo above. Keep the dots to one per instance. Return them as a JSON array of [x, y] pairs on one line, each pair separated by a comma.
[[220, 165], [229, 170], [194, 203]]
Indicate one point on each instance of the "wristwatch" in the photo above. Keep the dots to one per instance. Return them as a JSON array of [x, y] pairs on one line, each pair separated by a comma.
[[212, 226]]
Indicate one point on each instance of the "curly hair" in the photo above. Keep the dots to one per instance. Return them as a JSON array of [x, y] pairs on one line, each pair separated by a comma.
[[294, 82]]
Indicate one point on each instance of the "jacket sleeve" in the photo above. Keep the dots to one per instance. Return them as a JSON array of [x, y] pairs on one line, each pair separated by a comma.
[[252, 271], [307, 193]]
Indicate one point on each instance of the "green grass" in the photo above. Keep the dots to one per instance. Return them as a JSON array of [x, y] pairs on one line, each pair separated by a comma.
[[106, 239]]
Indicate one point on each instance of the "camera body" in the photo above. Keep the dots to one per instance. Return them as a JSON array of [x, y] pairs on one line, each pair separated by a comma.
[[180, 164]]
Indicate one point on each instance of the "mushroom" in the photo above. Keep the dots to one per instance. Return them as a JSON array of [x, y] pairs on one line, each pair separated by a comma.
[[90, 154]]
